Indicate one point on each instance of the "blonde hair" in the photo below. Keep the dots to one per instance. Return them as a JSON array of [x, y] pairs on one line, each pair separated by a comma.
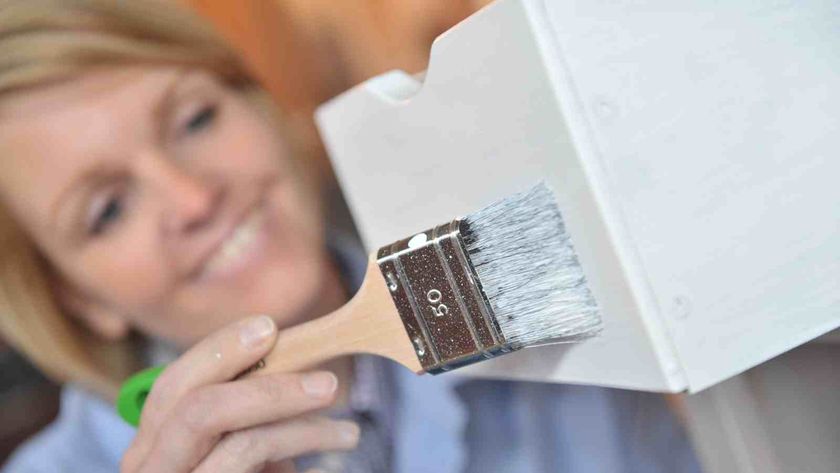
[[46, 41]]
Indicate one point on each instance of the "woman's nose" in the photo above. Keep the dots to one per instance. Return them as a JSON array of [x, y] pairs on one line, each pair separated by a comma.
[[190, 200]]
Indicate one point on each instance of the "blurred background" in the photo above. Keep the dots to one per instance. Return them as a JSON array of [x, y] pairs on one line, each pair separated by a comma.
[[305, 52]]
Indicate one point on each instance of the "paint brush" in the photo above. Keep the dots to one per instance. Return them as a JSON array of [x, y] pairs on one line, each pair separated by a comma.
[[502, 278]]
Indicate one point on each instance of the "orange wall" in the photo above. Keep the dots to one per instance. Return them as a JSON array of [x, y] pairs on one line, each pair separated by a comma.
[[307, 51]]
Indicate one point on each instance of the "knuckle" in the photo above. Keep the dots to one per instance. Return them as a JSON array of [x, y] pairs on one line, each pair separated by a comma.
[[194, 413], [163, 387], [237, 444], [273, 387]]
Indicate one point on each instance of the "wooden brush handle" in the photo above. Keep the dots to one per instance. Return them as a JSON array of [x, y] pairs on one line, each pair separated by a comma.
[[368, 323]]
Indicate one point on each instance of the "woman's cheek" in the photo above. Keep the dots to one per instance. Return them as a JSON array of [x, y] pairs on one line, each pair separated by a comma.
[[129, 267], [135, 282]]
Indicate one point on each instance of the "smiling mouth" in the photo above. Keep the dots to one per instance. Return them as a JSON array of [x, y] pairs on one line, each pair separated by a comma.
[[237, 248]]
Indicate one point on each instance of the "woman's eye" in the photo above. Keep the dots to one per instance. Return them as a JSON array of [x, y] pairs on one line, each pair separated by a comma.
[[201, 119], [106, 216]]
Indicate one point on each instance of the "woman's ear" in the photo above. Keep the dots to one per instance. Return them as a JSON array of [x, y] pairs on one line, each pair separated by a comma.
[[102, 321]]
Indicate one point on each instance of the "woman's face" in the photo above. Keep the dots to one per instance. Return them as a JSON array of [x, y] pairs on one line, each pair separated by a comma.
[[164, 200]]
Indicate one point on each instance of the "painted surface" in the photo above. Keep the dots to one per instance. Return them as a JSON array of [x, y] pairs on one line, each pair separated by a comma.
[[485, 124], [694, 148], [718, 130]]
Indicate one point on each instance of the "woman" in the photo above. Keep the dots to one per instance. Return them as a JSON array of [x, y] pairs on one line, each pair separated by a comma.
[[150, 204]]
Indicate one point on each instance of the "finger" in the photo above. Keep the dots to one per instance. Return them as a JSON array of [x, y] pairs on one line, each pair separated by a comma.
[[286, 466], [248, 450], [217, 358], [207, 413]]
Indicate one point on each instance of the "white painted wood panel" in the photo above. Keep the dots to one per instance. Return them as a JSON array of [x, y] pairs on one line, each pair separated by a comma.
[[693, 148], [718, 126], [484, 124]]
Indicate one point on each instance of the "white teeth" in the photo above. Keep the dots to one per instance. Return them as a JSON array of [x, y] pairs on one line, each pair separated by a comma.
[[237, 243]]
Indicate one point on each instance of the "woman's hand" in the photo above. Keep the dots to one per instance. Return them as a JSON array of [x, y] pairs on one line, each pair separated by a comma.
[[197, 420]]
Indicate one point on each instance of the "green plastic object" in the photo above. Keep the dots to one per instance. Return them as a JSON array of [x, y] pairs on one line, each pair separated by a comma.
[[133, 394]]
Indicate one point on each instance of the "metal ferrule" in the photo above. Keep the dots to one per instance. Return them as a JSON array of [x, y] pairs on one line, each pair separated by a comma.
[[439, 298]]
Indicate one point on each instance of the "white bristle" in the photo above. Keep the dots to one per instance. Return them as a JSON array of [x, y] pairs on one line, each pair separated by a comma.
[[529, 271]]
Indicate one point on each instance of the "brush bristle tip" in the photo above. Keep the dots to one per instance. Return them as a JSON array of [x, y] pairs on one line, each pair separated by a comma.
[[529, 270]]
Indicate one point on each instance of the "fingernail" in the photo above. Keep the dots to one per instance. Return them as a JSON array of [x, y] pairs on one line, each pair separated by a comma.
[[349, 432], [320, 384], [253, 333]]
